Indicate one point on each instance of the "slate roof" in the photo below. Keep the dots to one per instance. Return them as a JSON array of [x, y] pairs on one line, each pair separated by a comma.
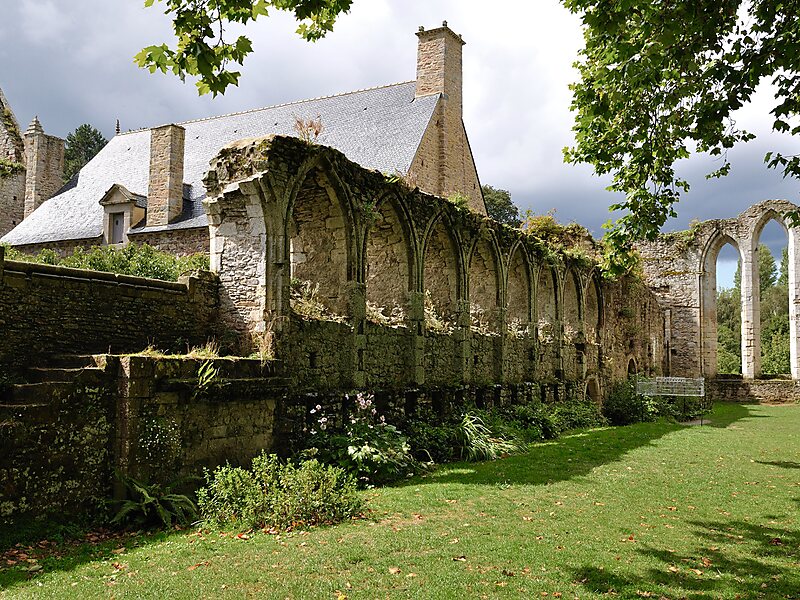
[[379, 128]]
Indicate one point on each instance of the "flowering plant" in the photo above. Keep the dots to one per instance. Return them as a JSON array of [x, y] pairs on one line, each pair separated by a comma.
[[365, 445]]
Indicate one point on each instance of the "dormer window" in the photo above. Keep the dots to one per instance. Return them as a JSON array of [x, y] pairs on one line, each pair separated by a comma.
[[123, 210]]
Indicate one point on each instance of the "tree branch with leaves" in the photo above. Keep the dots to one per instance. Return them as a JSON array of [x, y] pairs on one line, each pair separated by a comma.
[[201, 49], [660, 80]]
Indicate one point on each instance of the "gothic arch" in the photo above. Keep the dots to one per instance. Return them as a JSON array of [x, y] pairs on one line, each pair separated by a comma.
[[519, 293], [442, 267], [484, 280], [319, 237], [547, 305], [708, 299], [389, 255]]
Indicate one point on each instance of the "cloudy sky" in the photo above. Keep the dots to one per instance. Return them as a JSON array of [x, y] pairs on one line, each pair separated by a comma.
[[72, 63]]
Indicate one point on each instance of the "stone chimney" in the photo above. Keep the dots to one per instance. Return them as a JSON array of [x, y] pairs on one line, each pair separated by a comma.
[[165, 187], [439, 65], [444, 165], [44, 165]]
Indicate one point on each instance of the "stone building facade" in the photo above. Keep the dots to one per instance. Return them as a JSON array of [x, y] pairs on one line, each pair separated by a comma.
[[148, 183]]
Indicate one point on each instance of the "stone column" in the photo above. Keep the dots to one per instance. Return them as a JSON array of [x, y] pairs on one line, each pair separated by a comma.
[[751, 313], [238, 236], [416, 318], [794, 302]]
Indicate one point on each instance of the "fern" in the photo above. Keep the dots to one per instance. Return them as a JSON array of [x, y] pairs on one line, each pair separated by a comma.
[[153, 504]]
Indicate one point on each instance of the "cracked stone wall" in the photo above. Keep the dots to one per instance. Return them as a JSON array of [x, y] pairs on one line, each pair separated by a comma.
[[388, 260], [365, 237]]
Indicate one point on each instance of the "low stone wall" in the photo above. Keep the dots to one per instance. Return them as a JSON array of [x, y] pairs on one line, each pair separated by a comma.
[[148, 417], [56, 451], [46, 310], [768, 391]]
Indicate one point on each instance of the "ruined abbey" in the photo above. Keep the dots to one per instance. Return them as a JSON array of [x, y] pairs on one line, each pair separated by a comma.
[[342, 261]]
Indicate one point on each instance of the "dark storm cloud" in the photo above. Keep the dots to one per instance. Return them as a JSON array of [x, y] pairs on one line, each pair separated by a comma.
[[71, 63]]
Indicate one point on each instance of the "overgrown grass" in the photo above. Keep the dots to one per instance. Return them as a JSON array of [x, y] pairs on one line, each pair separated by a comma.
[[650, 510]]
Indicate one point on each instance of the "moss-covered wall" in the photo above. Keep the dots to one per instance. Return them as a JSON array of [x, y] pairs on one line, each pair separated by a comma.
[[47, 310], [369, 284]]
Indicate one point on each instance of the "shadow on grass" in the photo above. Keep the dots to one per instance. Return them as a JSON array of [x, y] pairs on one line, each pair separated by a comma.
[[786, 464], [733, 558], [69, 554], [573, 455]]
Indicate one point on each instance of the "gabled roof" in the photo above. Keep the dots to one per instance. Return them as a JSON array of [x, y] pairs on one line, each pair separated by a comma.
[[379, 128]]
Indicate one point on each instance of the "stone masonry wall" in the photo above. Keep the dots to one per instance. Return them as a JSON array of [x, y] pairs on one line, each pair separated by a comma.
[[456, 256], [178, 242], [165, 187], [143, 416], [44, 166], [47, 310], [680, 268], [12, 198], [12, 187]]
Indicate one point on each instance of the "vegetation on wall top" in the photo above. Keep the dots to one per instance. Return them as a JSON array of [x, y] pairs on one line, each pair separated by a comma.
[[139, 261]]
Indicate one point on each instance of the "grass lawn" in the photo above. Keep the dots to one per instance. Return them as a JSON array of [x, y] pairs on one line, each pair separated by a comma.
[[652, 510]]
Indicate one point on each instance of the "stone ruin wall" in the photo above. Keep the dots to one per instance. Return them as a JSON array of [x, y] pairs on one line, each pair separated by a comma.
[[47, 310], [680, 269], [12, 187], [573, 333], [281, 210]]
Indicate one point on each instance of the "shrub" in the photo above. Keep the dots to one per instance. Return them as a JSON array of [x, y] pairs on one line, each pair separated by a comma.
[[140, 261], [578, 414], [623, 406], [366, 446], [433, 439], [278, 495]]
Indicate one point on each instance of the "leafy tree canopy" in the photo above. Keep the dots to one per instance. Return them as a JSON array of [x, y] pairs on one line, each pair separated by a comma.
[[81, 147], [201, 48], [499, 206], [659, 80]]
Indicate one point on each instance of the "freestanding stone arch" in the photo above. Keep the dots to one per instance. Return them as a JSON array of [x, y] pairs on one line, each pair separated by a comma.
[[708, 306], [681, 269]]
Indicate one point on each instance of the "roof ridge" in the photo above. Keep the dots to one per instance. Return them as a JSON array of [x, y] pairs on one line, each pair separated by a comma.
[[280, 105]]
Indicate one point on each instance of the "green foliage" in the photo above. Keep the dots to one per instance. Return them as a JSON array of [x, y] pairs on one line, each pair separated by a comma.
[[153, 504], [278, 495], [9, 168], [483, 434], [159, 444], [459, 200], [202, 50], [365, 446], [82, 145], [140, 261], [623, 406], [555, 236], [660, 79], [478, 442], [207, 375], [500, 207]]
